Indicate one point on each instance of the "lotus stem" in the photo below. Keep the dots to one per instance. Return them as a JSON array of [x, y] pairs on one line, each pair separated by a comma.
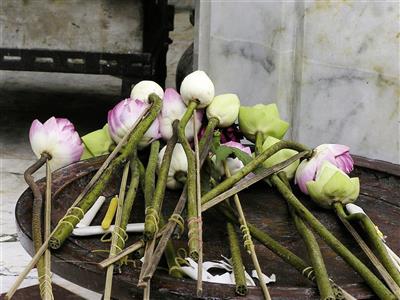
[[259, 143], [150, 173], [46, 288], [193, 233], [153, 210], [128, 201], [76, 213], [250, 167], [37, 215], [199, 286], [204, 146], [377, 286], [117, 233], [248, 242], [237, 263]]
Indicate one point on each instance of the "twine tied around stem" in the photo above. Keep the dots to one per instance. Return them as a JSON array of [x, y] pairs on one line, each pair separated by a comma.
[[247, 242], [121, 237], [193, 233], [45, 286], [177, 218], [310, 275], [69, 214], [153, 217]]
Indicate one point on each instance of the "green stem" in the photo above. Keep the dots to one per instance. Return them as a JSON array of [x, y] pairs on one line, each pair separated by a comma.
[[129, 199], [377, 286], [170, 256], [116, 233], [375, 239], [259, 142], [250, 167], [313, 251], [153, 211], [237, 263], [248, 241], [37, 214], [191, 183], [150, 174], [142, 175], [67, 224]]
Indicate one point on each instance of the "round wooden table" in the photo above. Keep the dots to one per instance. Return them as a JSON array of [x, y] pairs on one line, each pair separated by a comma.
[[264, 207]]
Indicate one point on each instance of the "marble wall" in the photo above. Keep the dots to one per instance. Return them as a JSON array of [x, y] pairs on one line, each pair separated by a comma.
[[331, 66]]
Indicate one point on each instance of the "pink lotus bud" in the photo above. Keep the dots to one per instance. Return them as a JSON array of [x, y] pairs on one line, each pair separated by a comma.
[[336, 154], [122, 117], [174, 109], [57, 137]]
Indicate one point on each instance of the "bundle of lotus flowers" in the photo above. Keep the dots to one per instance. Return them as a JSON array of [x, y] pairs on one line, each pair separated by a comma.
[[209, 147]]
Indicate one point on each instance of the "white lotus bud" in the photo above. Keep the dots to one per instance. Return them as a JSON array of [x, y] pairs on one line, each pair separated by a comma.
[[197, 86], [225, 108], [144, 88], [178, 167]]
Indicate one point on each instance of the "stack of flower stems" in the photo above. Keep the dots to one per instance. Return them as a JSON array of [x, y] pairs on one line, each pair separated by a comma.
[[153, 210], [154, 194], [116, 236], [204, 146], [374, 238], [248, 242], [278, 249], [67, 224], [313, 250], [129, 200], [376, 285]]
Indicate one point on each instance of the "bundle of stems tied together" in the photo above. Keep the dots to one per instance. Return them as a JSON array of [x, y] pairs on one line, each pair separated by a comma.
[[202, 155]]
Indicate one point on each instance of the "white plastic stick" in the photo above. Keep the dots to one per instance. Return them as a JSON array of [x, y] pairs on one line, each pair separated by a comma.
[[97, 230], [91, 213], [354, 209]]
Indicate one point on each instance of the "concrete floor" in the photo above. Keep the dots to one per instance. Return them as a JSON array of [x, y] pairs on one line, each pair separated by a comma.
[[85, 101]]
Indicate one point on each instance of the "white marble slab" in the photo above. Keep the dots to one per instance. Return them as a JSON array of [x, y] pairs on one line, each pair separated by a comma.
[[331, 66]]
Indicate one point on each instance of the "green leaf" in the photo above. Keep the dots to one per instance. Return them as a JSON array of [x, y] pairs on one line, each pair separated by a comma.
[[222, 153]]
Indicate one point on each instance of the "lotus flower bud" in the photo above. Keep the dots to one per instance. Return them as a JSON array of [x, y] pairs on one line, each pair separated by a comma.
[[144, 88], [197, 86], [97, 143], [177, 169], [233, 164], [280, 156], [336, 154], [261, 118], [58, 138], [331, 185], [174, 109], [122, 117], [225, 108]]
